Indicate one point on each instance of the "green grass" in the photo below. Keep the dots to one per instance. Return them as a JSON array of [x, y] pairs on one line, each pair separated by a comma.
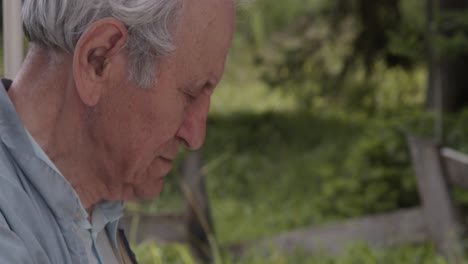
[[357, 253]]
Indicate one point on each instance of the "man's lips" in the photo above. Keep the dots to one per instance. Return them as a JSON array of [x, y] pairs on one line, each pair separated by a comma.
[[165, 165], [166, 159], [170, 152]]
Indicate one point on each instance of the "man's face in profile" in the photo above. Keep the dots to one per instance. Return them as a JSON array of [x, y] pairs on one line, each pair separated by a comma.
[[142, 129]]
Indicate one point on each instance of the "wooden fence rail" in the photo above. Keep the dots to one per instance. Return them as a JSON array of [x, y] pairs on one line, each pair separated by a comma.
[[437, 220], [400, 227]]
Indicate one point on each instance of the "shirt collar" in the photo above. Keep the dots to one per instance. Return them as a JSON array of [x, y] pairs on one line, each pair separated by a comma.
[[110, 212]]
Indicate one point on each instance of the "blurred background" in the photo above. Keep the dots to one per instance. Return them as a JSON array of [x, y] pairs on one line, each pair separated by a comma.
[[309, 125]]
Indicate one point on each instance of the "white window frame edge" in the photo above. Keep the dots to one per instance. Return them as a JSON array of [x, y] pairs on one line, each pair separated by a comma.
[[13, 46]]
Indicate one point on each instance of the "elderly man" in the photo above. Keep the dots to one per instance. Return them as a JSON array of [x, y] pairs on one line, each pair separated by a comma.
[[107, 93]]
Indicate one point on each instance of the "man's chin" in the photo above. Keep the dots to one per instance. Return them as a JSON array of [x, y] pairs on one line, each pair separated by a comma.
[[150, 190]]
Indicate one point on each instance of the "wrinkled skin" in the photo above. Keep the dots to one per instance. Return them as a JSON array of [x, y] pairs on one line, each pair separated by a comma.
[[109, 137]]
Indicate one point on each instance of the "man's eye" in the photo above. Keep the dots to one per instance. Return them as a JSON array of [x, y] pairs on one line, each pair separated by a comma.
[[190, 97]]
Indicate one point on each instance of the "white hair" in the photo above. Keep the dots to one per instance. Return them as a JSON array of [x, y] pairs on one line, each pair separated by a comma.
[[58, 24]]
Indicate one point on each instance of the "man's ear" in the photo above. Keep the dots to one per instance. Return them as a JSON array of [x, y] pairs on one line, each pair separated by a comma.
[[93, 53]]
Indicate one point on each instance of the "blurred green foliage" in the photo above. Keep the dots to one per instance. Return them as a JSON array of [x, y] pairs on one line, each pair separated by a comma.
[[452, 40], [309, 125], [335, 52]]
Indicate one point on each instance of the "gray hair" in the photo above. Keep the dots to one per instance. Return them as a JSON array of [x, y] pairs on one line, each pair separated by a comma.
[[58, 24]]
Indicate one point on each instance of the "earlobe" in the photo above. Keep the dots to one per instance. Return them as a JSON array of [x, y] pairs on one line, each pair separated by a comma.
[[93, 56]]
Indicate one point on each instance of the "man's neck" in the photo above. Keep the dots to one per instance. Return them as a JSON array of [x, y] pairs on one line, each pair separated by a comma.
[[42, 96]]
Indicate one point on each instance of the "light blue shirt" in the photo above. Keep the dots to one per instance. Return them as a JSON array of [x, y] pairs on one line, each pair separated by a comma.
[[99, 236], [41, 217]]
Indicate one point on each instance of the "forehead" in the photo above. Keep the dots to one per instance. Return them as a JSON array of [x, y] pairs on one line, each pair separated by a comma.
[[202, 14], [203, 36]]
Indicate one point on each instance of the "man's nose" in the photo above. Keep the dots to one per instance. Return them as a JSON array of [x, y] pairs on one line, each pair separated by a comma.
[[193, 129]]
